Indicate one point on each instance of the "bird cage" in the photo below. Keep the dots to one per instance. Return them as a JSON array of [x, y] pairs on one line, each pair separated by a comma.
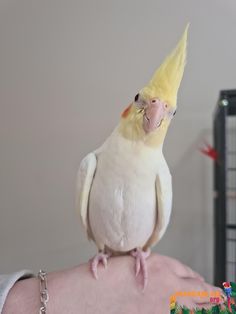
[[225, 188]]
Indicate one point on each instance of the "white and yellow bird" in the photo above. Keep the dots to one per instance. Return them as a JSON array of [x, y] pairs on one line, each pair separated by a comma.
[[124, 190]]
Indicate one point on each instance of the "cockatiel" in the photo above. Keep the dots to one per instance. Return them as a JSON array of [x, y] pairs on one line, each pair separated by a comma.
[[124, 190]]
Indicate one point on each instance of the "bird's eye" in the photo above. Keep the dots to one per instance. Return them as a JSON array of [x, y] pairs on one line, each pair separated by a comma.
[[154, 101], [136, 97], [139, 101]]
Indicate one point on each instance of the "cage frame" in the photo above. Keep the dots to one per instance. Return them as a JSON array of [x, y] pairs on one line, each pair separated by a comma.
[[226, 106]]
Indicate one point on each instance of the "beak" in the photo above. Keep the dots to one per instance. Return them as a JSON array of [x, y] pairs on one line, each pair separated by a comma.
[[153, 115]]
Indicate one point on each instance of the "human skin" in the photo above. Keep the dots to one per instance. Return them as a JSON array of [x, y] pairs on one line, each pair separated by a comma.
[[117, 291]]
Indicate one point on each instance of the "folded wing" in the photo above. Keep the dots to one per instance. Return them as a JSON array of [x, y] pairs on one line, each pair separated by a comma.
[[84, 182]]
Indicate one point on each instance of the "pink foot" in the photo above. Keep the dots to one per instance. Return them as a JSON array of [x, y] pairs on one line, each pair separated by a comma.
[[141, 264], [99, 257]]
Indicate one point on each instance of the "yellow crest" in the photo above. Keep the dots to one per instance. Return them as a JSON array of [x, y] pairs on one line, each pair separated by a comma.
[[166, 80]]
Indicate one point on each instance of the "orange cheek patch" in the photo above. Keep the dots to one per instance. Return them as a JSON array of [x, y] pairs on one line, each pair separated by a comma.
[[126, 111]]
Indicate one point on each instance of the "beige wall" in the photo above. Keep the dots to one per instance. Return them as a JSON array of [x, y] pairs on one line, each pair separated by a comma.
[[67, 70]]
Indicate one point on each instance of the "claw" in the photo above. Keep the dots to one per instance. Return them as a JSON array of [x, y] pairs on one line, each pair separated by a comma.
[[140, 264], [104, 261], [100, 257]]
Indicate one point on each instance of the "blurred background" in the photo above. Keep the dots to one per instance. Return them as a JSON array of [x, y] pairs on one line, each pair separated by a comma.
[[67, 71]]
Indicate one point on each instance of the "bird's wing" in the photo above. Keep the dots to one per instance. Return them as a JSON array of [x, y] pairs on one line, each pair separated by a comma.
[[164, 204], [84, 182]]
